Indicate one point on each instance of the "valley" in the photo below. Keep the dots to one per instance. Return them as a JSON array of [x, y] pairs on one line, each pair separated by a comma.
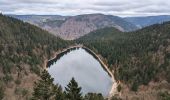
[[137, 61]]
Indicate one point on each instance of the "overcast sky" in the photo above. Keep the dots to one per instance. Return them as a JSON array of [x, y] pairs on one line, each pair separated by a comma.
[[77, 7]]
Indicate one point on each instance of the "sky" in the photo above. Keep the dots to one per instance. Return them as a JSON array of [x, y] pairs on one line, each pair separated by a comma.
[[121, 8]]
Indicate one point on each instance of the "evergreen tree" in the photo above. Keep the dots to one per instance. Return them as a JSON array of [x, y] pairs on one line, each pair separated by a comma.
[[44, 89], [1, 93], [73, 91], [115, 98], [59, 95], [93, 96]]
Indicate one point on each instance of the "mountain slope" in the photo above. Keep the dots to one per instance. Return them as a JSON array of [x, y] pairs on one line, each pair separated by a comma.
[[147, 21], [38, 19], [137, 58], [77, 26], [23, 51]]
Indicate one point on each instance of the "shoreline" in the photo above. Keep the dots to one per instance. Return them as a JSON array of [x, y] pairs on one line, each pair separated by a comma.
[[56, 56]]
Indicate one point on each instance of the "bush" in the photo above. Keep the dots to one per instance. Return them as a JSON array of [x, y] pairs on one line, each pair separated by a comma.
[[119, 88], [18, 82], [35, 69], [24, 92], [7, 78], [164, 95], [134, 87], [17, 91], [115, 98], [93, 96], [21, 91], [1, 93]]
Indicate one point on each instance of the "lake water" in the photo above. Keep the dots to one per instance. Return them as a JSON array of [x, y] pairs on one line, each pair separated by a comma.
[[86, 70]]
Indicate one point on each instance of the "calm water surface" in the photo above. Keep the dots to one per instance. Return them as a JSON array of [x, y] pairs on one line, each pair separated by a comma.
[[86, 70]]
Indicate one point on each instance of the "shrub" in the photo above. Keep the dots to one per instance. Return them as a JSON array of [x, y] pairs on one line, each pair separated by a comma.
[[35, 69], [119, 88], [1, 93], [18, 82], [7, 78], [164, 95], [134, 87]]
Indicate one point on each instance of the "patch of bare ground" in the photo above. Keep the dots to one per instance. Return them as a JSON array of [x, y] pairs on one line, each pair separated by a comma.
[[21, 87], [150, 92]]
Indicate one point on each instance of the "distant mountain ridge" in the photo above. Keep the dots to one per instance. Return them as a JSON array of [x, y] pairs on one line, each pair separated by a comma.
[[38, 19], [147, 21], [72, 27]]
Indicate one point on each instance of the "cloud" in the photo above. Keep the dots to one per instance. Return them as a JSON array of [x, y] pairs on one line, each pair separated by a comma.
[[68, 7]]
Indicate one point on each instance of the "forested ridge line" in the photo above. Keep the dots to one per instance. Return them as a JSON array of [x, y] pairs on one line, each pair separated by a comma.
[[23, 49], [136, 57]]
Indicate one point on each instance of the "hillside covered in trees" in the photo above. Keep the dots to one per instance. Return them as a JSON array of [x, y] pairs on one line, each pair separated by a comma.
[[23, 50], [137, 58]]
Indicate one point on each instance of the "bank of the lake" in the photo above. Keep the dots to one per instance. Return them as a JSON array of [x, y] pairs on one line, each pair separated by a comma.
[[59, 54]]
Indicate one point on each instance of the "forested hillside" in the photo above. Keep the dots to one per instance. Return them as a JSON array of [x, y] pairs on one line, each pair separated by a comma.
[[23, 50], [136, 57]]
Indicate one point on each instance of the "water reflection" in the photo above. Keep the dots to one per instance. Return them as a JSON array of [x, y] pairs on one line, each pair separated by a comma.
[[86, 70]]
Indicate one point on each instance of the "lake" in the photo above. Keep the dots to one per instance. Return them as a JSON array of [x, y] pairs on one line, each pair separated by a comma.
[[86, 70]]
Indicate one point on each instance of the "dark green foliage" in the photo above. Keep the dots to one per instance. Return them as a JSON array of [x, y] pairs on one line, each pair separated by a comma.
[[1, 93], [93, 96], [73, 91], [22, 43], [17, 81], [21, 91], [59, 95], [35, 69], [24, 92], [134, 56], [164, 95], [45, 89], [115, 98], [119, 88], [7, 78], [134, 86]]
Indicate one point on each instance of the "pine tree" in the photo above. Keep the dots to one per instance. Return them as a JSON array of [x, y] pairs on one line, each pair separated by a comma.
[[1, 93], [59, 95], [44, 89], [93, 96], [73, 91]]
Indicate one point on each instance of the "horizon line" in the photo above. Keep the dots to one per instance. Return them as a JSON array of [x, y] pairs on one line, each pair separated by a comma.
[[83, 14]]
